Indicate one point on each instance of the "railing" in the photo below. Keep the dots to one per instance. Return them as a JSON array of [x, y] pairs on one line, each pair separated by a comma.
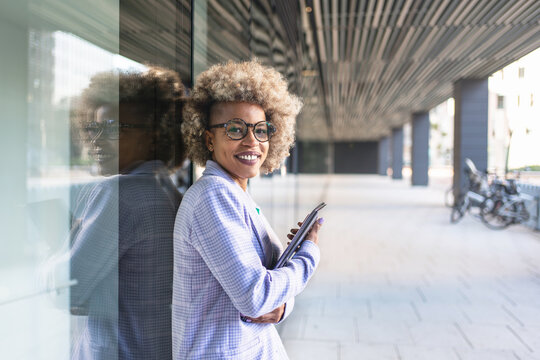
[[533, 206]]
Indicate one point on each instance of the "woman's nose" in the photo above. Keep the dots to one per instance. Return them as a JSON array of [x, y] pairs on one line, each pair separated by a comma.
[[98, 135], [250, 137]]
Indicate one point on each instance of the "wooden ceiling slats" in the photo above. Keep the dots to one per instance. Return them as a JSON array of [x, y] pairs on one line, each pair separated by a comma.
[[382, 60]]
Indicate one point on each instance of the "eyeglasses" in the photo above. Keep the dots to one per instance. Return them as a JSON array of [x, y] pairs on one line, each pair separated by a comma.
[[237, 129], [109, 129]]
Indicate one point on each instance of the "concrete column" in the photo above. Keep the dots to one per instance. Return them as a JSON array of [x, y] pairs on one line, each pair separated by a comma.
[[470, 127], [397, 153], [420, 148], [384, 150]]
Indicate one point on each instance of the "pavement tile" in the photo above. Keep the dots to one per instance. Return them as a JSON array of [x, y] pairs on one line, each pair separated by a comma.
[[350, 307], [336, 328], [393, 312], [292, 327], [440, 313], [318, 289], [526, 355], [525, 293], [488, 355], [361, 290], [438, 335], [488, 314], [492, 337], [485, 294], [309, 305], [312, 350], [443, 293], [399, 293], [528, 315], [530, 335], [380, 332], [351, 351], [425, 353]]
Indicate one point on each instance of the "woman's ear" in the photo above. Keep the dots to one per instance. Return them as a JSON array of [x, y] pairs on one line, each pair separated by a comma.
[[209, 139]]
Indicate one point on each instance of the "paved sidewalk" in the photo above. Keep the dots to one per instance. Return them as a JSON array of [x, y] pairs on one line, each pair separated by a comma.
[[398, 281]]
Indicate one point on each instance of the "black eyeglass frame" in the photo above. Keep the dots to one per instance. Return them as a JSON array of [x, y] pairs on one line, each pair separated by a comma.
[[271, 129], [108, 129]]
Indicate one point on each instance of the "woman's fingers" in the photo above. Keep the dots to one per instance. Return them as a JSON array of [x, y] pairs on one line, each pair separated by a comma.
[[272, 317], [313, 234]]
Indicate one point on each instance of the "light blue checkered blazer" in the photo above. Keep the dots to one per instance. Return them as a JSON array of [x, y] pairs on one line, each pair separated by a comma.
[[122, 260], [222, 249]]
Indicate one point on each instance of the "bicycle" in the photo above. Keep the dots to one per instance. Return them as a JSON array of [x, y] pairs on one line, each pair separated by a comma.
[[506, 206], [473, 195]]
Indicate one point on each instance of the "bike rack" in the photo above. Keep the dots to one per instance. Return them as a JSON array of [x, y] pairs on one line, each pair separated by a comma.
[[533, 205]]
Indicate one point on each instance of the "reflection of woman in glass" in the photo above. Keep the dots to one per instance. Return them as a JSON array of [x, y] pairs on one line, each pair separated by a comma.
[[121, 255], [239, 120]]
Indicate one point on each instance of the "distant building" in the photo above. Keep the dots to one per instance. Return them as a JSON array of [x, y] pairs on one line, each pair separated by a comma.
[[514, 114]]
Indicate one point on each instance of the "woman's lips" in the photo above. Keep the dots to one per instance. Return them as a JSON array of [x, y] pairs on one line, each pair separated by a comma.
[[100, 155], [248, 158]]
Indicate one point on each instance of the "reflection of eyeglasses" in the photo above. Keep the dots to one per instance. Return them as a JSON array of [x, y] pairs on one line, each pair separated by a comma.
[[237, 129], [109, 128]]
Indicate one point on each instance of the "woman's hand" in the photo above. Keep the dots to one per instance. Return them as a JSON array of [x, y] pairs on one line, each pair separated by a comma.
[[272, 317], [312, 235]]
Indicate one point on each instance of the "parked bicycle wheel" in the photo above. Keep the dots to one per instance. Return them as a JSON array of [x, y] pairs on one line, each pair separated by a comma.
[[459, 209], [489, 213]]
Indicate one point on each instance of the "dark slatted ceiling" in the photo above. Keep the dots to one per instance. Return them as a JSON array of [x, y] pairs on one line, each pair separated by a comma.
[[381, 60]]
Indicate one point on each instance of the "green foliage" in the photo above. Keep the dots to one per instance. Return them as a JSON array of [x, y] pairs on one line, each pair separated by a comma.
[[528, 168]]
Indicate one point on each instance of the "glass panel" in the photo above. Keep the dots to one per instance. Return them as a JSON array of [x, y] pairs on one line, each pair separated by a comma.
[[51, 51], [90, 139]]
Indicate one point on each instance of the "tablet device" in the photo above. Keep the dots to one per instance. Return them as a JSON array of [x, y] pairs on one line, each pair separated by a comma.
[[299, 236]]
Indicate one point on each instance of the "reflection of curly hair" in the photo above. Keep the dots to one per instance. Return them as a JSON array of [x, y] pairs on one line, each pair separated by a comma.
[[157, 95], [246, 82]]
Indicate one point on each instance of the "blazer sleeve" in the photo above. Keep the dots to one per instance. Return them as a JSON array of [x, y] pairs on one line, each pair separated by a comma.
[[223, 237]]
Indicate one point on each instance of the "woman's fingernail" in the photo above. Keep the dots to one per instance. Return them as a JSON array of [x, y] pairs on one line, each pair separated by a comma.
[[320, 221]]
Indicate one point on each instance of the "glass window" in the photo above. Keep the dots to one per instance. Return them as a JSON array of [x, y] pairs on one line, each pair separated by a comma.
[[500, 102], [90, 142]]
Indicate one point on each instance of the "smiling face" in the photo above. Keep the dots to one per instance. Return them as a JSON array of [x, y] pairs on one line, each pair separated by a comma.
[[119, 151], [243, 158]]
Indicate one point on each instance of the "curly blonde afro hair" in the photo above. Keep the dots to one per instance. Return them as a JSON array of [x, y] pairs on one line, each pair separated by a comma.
[[157, 94], [241, 82]]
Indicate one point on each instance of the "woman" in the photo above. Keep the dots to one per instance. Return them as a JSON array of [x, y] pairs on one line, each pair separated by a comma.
[[122, 235], [239, 120]]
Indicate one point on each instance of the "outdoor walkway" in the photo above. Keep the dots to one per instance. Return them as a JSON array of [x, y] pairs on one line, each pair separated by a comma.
[[398, 281]]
